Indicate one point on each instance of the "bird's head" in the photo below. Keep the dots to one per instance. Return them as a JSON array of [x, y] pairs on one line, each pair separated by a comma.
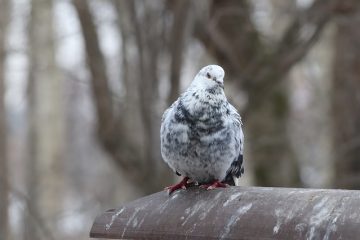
[[210, 76]]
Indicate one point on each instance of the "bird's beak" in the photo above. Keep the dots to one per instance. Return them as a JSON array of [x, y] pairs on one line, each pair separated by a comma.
[[221, 84]]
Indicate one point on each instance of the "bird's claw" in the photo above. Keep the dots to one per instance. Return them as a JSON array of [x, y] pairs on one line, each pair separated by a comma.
[[181, 185], [213, 185]]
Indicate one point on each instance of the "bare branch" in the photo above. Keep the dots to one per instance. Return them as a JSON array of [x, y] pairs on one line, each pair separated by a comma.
[[147, 78], [124, 32], [229, 35], [177, 47], [299, 37], [265, 69], [111, 130], [97, 67], [109, 127]]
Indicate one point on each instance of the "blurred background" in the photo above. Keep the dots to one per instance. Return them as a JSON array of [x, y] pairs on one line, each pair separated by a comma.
[[83, 85]]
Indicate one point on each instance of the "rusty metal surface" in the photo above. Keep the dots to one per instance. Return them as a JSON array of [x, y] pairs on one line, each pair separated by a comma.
[[236, 213]]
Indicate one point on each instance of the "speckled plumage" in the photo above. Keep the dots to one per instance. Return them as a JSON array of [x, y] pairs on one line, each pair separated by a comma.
[[201, 135]]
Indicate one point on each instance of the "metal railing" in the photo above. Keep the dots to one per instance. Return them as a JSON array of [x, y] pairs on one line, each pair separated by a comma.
[[236, 213]]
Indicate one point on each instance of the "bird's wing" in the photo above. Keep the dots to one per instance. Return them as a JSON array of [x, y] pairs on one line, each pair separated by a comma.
[[236, 167], [163, 122], [167, 111], [235, 171]]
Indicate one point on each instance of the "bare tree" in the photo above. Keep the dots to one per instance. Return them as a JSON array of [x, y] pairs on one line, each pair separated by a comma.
[[4, 190], [145, 169], [181, 11], [230, 36], [109, 127], [147, 80], [346, 96], [32, 179], [45, 122]]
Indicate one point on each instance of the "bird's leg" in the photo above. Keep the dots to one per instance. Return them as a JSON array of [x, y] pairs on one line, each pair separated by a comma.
[[213, 185], [182, 184]]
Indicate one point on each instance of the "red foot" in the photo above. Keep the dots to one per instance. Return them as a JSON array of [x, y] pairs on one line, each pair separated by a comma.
[[183, 184], [213, 185]]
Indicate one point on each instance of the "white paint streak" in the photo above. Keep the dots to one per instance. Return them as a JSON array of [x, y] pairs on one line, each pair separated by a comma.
[[135, 222], [300, 227], [199, 205], [283, 216], [164, 205], [191, 230], [323, 212], [217, 196], [232, 198], [337, 213], [132, 217], [113, 217], [234, 218], [175, 195], [142, 220], [202, 205], [278, 221]]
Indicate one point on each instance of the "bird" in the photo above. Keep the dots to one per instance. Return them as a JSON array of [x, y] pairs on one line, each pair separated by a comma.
[[201, 134]]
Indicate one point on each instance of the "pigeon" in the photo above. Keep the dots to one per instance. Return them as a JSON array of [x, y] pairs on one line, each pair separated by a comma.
[[201, 135]]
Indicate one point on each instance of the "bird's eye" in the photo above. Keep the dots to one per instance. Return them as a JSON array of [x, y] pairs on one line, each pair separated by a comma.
[[208, 75]]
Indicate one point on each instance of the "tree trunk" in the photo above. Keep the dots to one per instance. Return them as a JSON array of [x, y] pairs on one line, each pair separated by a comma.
[[4, 187], [31, 163], [346, 98], [45, 121], [50, 118]]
